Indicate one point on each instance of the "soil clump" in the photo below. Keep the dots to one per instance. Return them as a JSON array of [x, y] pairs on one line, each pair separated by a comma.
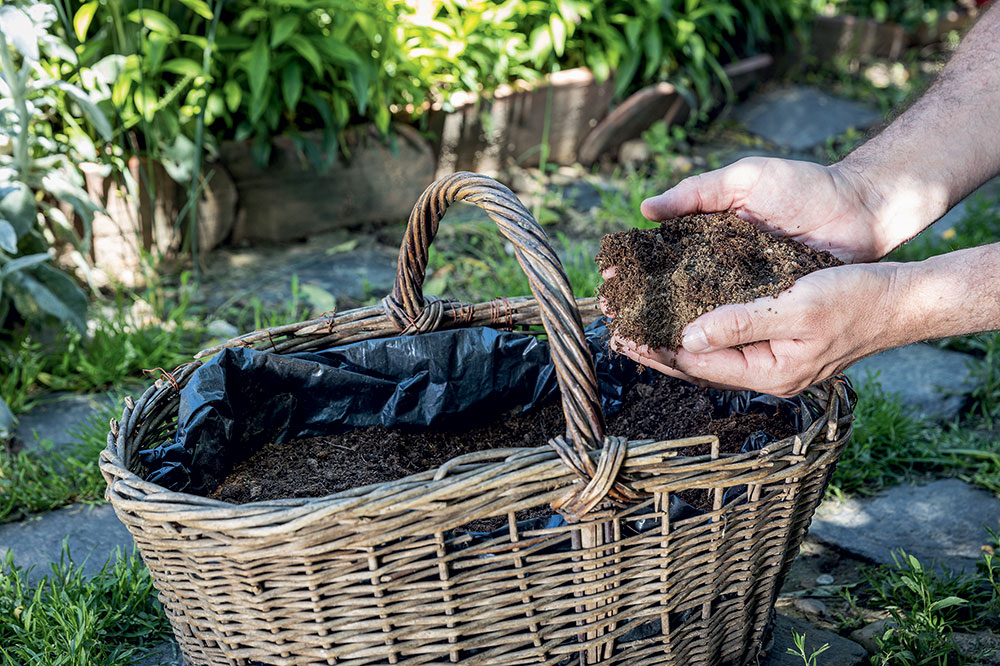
[[666, 409], [667, 276]]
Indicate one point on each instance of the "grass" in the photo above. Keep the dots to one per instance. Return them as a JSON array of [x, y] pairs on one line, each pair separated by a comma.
[[890, 445], [127, 336], [68, 619], [887, 439], [808, 658]]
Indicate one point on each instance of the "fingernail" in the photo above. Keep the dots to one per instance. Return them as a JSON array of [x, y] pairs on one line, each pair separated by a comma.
[[694, 339]]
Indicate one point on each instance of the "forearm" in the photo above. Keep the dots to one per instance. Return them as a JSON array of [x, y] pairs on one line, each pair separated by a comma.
[[950, 294], [942, 147]]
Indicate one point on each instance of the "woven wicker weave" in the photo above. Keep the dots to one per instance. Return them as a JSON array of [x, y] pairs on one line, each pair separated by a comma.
[[377, 575]]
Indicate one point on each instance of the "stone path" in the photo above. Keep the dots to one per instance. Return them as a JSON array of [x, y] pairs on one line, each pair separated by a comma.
[[799, 118], [57, 418], [935, 382], [944, 520], [92, 534]]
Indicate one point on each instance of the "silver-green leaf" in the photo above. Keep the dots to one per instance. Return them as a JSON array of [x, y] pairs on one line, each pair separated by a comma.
[[8, 237]]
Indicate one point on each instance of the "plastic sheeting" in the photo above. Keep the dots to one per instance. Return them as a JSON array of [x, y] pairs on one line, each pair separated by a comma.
[[242, 399]]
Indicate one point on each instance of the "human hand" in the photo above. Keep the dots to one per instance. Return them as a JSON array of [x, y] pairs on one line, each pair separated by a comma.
[[827, 208], [825, 322]]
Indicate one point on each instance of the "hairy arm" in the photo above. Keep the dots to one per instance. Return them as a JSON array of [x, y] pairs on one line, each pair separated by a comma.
[[941, 148]]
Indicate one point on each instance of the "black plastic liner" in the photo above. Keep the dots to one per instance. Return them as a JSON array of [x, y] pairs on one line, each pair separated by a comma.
[[242, 399]]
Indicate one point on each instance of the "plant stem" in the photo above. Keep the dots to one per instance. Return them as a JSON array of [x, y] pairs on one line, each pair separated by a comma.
[[19, 92], [199, 140]]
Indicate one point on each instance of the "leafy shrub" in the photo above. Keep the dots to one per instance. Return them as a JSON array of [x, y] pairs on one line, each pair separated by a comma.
[[38, 174], [284, 67]]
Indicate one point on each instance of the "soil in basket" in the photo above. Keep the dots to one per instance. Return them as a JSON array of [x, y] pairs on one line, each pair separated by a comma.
[[665, 277], [319, 466]]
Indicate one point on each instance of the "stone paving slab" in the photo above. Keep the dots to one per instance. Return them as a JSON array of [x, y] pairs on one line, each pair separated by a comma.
[[801, 117], [842, 652], [57, 417], [935, 382], [944, 521], [93, 533]]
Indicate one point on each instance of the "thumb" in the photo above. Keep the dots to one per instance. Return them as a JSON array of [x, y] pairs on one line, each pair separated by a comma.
[[737, 324], [709, 192]]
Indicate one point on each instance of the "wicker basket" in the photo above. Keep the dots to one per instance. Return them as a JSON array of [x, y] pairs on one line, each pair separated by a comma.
[[378, 575]]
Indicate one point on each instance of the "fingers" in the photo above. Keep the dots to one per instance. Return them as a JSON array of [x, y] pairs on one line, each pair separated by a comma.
[[662, 361], [608, 273], [709, 192], [742, 324]]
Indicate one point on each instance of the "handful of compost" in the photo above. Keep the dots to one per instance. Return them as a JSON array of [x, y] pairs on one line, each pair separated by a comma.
[[659, 280]]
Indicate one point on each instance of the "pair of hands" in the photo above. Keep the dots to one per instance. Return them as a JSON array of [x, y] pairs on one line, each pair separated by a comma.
[[826, 321]]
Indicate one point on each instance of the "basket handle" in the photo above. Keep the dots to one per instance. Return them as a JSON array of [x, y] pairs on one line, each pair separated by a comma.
[[560, 316]]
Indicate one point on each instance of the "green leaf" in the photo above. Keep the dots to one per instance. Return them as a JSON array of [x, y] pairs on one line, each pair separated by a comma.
[[541, 45], [19, 31], [120, 91], [22, 263], [948, 602], [259, 68], [626, 73], [145, 101], [291, 85], [283, 29], [215, 107], [233, 93], [199, 7], [60, 187], [155, 21], [558, 30], [360, 76], [306, 49], [339, 52], [8, 237], [46, 290], [654, 52], [182, 66], [81, 20], [17, 206], [7, 421], [89, 108]]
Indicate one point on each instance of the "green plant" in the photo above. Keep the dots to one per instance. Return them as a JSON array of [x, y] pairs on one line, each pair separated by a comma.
[[68, 619], [927, 604], [127, 337], [620, 210], [37, 175], [810, 659]]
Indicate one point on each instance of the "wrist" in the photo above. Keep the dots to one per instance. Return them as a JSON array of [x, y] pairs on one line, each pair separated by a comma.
[[950, 294], [899, 201]]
